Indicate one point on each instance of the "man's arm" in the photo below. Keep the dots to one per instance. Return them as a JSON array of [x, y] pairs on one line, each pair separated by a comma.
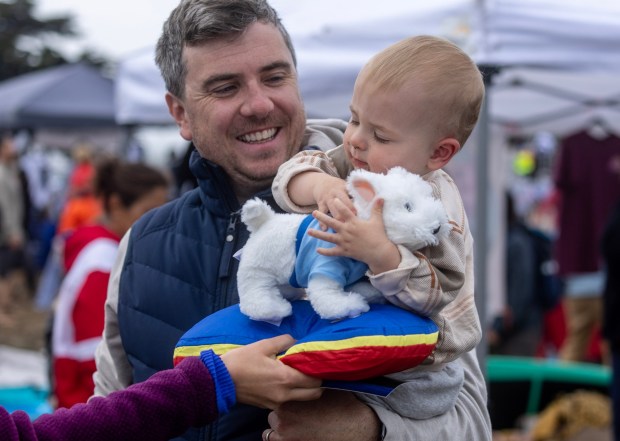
[[339, 416], [113, 368], [336, 416]]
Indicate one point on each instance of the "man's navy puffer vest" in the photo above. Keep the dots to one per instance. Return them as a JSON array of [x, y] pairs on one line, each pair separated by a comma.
[[178, 269]]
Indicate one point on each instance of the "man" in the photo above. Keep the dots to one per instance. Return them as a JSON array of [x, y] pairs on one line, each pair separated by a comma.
[[229, 68]]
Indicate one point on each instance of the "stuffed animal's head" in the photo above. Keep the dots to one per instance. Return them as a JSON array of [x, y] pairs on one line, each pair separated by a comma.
[[411, 215]]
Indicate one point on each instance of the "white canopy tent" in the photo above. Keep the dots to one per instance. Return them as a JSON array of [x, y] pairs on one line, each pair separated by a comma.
[[558, 60], [326, 48], [334, 39]]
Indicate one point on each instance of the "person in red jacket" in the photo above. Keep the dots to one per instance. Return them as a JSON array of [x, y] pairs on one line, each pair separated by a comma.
[[171, 401], [126, 191]]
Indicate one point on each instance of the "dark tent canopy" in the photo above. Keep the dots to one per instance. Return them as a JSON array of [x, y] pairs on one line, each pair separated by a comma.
[[74, 95]]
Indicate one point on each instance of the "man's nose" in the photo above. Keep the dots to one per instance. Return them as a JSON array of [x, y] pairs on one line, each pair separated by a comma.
[[257, 102]]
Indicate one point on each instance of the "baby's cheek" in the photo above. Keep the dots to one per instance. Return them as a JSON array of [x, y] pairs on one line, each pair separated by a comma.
[[347, 150]]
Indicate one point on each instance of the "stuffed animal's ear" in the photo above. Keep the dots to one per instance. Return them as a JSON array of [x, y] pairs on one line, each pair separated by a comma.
[[363, 190]]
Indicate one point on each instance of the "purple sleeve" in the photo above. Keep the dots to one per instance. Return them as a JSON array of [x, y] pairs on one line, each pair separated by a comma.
[[164, 406]]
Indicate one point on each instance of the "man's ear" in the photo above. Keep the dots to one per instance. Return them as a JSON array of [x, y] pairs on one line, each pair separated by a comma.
[[177, 111], [445, 149]]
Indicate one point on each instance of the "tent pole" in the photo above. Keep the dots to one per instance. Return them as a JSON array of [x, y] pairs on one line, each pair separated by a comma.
[[482, 215]]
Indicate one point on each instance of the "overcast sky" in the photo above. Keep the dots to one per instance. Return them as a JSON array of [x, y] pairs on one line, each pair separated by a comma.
[[114, 28]]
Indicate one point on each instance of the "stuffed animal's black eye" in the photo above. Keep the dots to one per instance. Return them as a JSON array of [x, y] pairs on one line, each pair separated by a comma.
[[408, 206]]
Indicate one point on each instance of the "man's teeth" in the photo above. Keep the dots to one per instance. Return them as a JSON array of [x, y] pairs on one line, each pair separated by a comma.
[[259, 136]]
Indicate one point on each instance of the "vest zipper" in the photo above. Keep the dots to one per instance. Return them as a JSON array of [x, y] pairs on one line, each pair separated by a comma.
[[229, 243], [226, 262]]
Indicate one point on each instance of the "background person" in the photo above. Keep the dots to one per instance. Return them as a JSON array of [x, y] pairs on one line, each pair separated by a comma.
[[12, 232], [518, 329], [82, 206], [610, 247], [125, 191]]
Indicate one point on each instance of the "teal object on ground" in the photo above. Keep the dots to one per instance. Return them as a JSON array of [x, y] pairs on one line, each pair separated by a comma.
[[537, 371], [31, 400]]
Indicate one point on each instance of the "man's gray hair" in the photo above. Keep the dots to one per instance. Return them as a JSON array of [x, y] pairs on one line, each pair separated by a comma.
[[194, 22]]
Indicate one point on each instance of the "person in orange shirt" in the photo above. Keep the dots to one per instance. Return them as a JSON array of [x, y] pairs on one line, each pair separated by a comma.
[[82, 207]]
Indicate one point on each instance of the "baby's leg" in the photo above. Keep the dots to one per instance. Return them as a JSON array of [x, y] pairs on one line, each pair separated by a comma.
[[423, 394]]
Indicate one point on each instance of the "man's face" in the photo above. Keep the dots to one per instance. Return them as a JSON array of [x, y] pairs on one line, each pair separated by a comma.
[[242, 107]]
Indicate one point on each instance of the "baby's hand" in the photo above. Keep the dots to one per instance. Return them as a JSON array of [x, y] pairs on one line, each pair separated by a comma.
[[363, 240], [328, 190]]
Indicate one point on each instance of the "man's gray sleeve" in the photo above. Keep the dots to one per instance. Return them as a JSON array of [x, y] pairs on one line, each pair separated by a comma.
[[113, 368], [468, 420], [324, 133]]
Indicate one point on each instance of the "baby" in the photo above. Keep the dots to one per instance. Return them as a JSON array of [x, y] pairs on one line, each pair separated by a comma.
[[414, 105]]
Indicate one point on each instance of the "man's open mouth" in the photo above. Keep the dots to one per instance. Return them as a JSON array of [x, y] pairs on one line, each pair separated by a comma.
[[259, 136]]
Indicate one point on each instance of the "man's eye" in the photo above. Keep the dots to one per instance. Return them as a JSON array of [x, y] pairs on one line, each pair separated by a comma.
[[275, 79], [224, 90]]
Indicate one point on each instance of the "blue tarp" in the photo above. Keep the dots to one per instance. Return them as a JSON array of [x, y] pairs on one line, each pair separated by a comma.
[[73, 95]]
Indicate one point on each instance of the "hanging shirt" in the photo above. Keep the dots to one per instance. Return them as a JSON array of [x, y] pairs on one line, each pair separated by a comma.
[[588, 190]]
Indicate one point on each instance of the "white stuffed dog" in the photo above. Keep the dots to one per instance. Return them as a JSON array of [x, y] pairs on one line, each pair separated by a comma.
[[269, 262]]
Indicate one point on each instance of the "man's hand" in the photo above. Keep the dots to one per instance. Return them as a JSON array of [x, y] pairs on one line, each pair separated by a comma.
[[336, 416]]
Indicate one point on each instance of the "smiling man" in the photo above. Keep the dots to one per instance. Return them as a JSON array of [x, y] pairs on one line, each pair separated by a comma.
[[242, 107], [231, 79]]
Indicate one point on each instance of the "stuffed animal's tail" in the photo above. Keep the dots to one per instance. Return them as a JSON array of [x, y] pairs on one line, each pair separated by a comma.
[[255, 213]]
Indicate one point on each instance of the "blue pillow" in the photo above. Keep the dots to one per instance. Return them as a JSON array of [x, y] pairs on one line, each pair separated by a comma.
[[384, 340]]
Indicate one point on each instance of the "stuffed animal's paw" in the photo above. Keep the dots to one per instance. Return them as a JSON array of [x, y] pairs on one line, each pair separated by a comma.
[[270, 310], [339, 305]]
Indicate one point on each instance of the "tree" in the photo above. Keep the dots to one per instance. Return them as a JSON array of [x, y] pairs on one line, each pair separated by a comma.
[[23, 40]]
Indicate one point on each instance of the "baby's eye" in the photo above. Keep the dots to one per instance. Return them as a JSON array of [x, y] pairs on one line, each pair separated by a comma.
[[380, 139], [408, 206]]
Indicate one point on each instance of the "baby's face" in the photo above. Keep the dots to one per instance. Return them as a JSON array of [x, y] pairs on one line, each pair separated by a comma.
[[388, 129]]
